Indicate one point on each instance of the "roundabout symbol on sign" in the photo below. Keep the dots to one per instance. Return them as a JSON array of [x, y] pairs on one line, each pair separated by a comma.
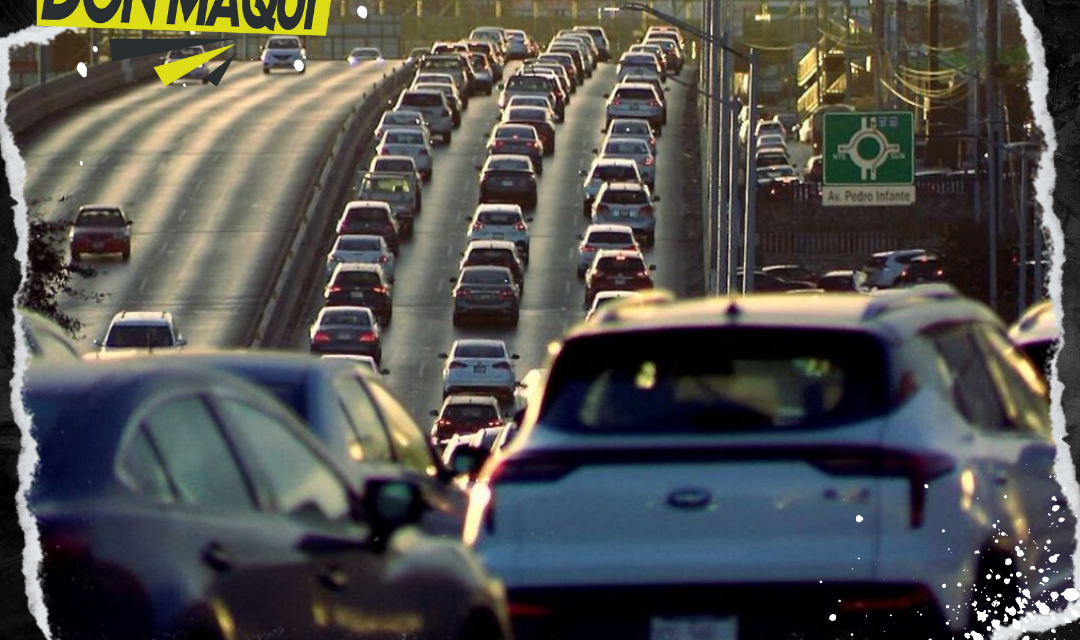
[[868, 166]]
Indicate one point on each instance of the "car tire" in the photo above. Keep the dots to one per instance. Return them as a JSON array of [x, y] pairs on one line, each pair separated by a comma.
[[126, 255], [266, 71], [580, 274], [447, 137], [378, 358]]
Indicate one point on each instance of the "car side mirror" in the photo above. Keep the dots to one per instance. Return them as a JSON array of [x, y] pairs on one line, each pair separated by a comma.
[[582, 173], [607, 95], [596, 152], [181, 341], [443, 356], [529, 219], [656, 198], [390, 505], [666, 89], [384, 372], [499, 86], [652, 267], [128, 223], [453, 280], [97, 342], [515, 356], [433, 413], [467, 460]]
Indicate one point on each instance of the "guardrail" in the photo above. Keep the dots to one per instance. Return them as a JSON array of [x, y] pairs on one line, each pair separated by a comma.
[[300, 269], [40, 101], [811, 191]]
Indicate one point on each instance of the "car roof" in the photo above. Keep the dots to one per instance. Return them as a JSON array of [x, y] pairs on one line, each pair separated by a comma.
[[623, 186], [893, 314], [163, 317], [500, 207], [479, 342], [367, 204], [463, 398], [621, 228], [491, 244], [617, 253], [100, 206]]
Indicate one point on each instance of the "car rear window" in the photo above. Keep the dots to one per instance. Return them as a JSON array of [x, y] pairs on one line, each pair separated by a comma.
[[477, 412], [609, 237], [489, 256], [612, 174], [350, 318], [627, 147], [620, 265], [394, 165], [527, 113], [359, 244], [625, 197], [99, 218], [283, 43], [508, 133], [527, 83], [421, 100], [485, 276], [358, 278], [499, 218], [634, 94], [400, 118], [367, 215], [716, 380], [479, 351]]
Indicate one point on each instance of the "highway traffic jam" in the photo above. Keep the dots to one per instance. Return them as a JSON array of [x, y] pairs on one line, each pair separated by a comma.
[[869, 458]]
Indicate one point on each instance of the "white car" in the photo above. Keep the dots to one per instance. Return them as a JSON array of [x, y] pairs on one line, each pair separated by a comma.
[[767, 140], [284, 52], [531, 100], [139, 331], [402, 118], [501, 222], [628, 203], [874, 462], [632, 128], [885, 267], [480, 366], [634, 149], [360, 55], [605, 170], [606, 298], [403, 141], [603, 236], [365, 249], [1037, 334]]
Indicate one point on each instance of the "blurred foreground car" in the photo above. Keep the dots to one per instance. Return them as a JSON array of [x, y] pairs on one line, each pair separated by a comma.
[[185, 503], [857, 458], [45, 339]]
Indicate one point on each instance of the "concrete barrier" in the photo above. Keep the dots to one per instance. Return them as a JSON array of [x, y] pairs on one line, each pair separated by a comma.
[[34, 104]]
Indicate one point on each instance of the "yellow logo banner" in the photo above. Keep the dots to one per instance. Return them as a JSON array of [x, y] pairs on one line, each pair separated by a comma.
[[292, 17]]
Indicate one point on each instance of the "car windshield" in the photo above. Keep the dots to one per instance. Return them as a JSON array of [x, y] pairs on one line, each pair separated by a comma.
[[99, 218], [359, 244], [139, 336], [485, 276], [345, 318], [284, 43], [717, 380], [471, 413], [479, 351], [499, 218]]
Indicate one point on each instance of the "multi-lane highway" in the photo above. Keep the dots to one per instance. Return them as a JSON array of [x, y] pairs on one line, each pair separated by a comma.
[[553, 299], [215, 179]]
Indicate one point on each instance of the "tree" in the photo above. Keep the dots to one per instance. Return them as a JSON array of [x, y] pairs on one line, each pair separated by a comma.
[[50, 275]]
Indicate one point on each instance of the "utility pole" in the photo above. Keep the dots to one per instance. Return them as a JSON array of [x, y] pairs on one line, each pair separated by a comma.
[[877, 19], [934, 40], [750, 224], [973, 108], [723, 150], [847, 51], [994, 182]]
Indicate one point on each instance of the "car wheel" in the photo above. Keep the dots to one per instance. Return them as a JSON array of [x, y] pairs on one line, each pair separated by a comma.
[[126, 255], [266, 71], [457, 320], [447, 137]]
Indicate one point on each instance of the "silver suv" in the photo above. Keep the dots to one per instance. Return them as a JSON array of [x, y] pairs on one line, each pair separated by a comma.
[[434, 107], [636, 100]]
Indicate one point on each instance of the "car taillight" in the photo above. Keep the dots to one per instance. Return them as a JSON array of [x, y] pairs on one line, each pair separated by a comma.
[[478, 225], [524, 610], [505, 293], [445, 113], [367, 336], [530, 143], [919, 467], [654, 103], [521, 227], [443, 422], [379, 289], [498, 143], [384, 259], [456, 364], [321, 337], [647, 211], [648, 161], [602, 208], [598, 274], [616, 102], [501, 365], [642, 274], [384, 152], [588, 248], [463, 292], [61, 544], [335, 288]]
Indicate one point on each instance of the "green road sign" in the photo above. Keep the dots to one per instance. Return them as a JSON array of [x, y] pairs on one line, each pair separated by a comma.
[[869, 158]]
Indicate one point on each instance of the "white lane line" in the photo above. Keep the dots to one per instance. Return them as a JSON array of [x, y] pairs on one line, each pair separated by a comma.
[[164, 248], [183, 214], [567, 287], [142, 285], [421, 372]]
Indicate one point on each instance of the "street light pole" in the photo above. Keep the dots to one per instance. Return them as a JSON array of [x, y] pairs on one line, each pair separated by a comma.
[[722, 214], [750, 206]]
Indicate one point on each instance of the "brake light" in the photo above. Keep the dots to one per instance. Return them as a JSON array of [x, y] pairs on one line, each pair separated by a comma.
[[443, 422], [384, 259], [520, 226], [462, 292], [530, 143], [334, 288], [478, 225], [379, 289], [598, 274], [648, 161], [588, 248], [367, 336], [520, 609], [498, 143], [647, 211], [505, 293], [63, 545], [494, 423], [321, 337], [616, 102], [501, 365], [654, 103], [601, 208], [914, 598], [457, 364]]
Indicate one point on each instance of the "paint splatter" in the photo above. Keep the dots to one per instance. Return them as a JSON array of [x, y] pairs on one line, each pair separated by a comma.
[[298, 65], [81, 68], [361, 11]]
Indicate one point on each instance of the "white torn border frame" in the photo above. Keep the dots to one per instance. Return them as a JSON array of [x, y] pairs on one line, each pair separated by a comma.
[[1044, 187]]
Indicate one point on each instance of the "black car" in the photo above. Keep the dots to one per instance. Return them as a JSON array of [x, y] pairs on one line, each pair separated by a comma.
[[495, 253], [370, 217], [364, 285], [365, 428], [617, 270], [502, 182], [178, 502], [539, 119], [921, 269], [346, 330]]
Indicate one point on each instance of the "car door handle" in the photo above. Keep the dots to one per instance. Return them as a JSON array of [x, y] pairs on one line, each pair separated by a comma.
[[334, 578], [216, 557]]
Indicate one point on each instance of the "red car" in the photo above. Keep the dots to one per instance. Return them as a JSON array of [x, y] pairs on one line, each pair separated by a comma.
[[100, 229]]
